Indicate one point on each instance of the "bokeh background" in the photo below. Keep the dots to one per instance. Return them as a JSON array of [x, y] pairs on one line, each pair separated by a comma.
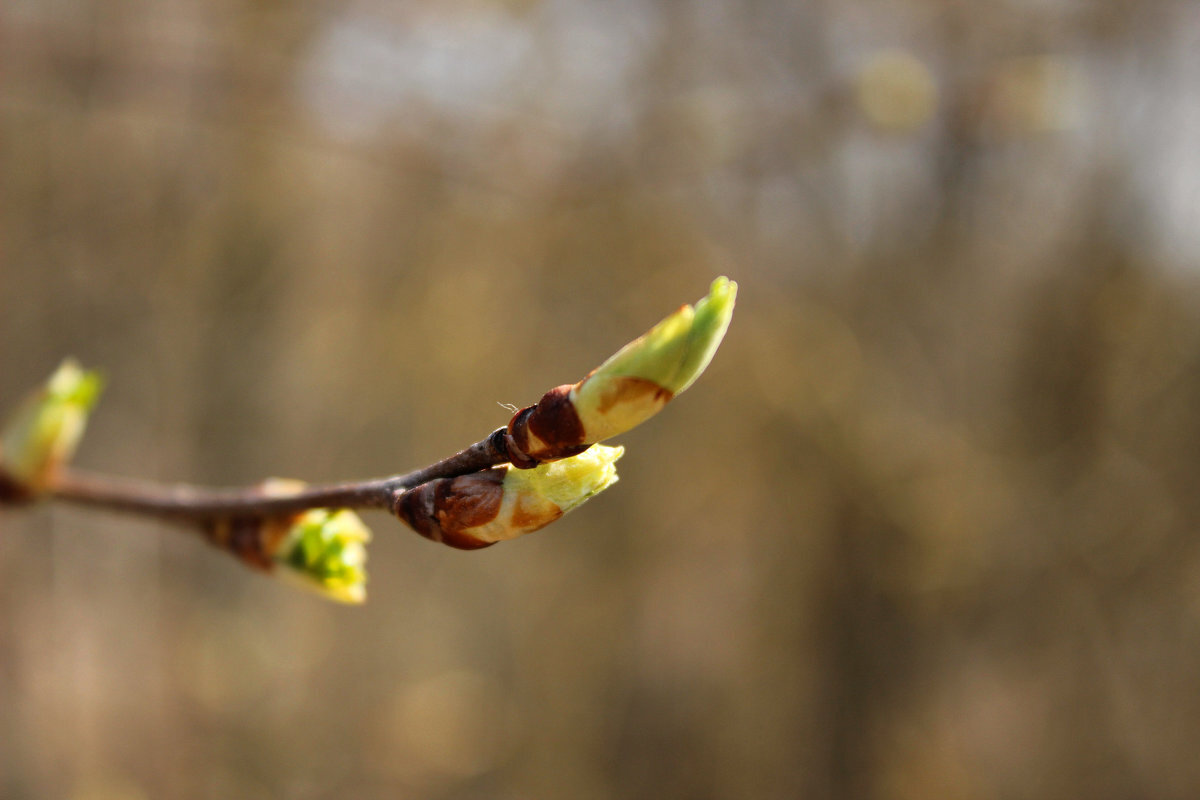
[[926, 529]]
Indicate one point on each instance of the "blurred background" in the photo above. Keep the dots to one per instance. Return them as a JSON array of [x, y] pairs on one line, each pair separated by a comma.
[[926, 528]]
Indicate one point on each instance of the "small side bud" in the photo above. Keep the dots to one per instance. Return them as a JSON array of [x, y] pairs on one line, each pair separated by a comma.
[[321, 549], [477, 510], [41, 436], [326, 550], [627, 389]]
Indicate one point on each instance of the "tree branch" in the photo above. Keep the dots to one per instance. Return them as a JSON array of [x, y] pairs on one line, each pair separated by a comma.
[[184, 502], [550, 450]]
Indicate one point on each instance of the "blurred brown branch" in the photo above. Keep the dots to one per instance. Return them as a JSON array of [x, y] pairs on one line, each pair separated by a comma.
[[185, 502]]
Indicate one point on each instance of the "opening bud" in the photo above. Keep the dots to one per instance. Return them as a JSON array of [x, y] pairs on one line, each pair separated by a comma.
[[630, 387], [480, 509], [321, 549], [326, 550], [46, 428]]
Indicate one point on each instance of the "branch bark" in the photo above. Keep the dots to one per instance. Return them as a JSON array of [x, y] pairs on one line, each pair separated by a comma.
[[183, 502]]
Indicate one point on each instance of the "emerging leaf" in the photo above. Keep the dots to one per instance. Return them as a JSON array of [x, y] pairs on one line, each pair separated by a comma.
[[46, 428], [480, 509], [326, 550], [321, 549], [627, 389]]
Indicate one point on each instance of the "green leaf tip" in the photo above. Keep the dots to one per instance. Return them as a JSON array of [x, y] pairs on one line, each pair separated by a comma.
[[636, 382], [71, 383], [44, 432], [710, 321]]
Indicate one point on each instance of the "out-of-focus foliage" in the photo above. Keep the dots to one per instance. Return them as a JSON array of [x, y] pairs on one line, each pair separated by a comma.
[[927, 527]]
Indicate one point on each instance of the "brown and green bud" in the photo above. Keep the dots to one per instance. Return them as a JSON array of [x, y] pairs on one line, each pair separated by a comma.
[[42, 434], [627, 389], [322, 549], [482, 508]]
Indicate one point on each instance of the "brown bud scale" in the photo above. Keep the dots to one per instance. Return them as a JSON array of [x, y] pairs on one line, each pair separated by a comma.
[[251, 539], [445, 508], [532, 515], [547, 431], [13, 492]]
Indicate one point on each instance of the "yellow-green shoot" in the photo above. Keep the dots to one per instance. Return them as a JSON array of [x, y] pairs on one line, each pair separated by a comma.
[[326, 550], [45, 430], [636, 382]]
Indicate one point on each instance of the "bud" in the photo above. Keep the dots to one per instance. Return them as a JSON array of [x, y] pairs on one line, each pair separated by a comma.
[[627, 389], [45, 430], [326, 550], [322, 549], [482, 508]]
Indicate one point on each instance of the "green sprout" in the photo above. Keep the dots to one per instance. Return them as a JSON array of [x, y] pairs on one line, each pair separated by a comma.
[[477, 510], [566, 483], [46, 428], [635, 383], [326, 550], [627, 389]]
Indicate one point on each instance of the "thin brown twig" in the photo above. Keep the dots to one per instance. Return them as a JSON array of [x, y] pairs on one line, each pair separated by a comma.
[[191, 503]]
